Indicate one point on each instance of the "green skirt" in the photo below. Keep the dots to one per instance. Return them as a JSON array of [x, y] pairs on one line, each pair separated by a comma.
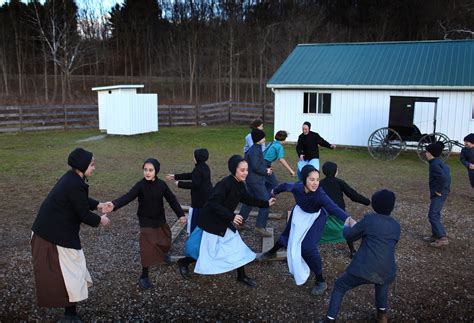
[[332, 232]]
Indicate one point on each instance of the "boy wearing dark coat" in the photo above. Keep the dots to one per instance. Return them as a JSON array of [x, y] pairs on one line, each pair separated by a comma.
[[199, 182], [336, 188], [467, 157], [258, 172], [439, 183], [374, 263]]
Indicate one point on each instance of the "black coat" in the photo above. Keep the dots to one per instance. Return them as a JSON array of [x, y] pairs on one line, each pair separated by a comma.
[[336, 188], [218, 214], [375, 259], [308, 145], [151, 211], [64, 209], [200, 184]]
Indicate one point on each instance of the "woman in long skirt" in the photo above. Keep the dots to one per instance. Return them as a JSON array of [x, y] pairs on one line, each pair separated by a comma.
[[59, 265], [215, 243]]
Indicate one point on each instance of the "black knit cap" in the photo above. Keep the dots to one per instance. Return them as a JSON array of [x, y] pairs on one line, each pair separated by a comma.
[[305, 171], [329, 169], [435, 148], [79, 159], [234, 162], [383, 201], [307, 123], [201, 154], [257, 135], [155, 163], [469, 138]]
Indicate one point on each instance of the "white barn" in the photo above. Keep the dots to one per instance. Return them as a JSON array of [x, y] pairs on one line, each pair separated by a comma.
[[349, 90]]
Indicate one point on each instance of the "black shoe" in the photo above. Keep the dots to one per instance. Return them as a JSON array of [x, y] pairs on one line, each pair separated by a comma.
[[183, 270], [144, 283], [70, 319], [267, 255], [247, 281]]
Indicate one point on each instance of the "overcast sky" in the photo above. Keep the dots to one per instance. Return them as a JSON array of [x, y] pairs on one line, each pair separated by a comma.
[[106, 4]]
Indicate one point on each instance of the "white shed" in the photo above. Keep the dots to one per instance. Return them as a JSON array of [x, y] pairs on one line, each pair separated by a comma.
[[347, 91], [122, 111]]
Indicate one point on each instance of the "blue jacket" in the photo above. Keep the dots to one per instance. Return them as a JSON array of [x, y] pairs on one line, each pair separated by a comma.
[[257, 165], [375, 259], [467, 157], [439, 177]]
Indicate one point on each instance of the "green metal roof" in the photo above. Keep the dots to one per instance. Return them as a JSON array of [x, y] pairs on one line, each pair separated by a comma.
[[425, 64]]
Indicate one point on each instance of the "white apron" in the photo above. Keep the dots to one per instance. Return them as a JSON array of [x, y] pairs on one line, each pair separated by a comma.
[[190, 217], [218, 254], [301, 222], [76, 276]]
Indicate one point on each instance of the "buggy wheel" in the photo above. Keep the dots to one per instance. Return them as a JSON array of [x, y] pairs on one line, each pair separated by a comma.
[[385, 144], [431, 138]]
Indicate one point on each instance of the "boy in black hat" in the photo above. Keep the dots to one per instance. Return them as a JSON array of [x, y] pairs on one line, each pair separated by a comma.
[[258, 174], [374, 262], [467, 157], [336, 188], [439, 182]]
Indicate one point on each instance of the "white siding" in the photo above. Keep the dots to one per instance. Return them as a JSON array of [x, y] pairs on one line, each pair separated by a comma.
[[355, 114], [131, 114]]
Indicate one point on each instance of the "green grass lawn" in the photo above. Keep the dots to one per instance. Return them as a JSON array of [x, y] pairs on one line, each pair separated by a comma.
[[31, 163]]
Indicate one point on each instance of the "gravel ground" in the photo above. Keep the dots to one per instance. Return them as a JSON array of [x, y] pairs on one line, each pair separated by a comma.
[[432, 284]]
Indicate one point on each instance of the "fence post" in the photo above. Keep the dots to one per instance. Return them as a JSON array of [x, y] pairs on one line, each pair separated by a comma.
[[230, 111], [65, 116], [263, 113], [20, 109], [169, 114], [197, 107]]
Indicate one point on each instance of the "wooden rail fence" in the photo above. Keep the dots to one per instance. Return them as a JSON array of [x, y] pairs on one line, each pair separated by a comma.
[[49, 117]]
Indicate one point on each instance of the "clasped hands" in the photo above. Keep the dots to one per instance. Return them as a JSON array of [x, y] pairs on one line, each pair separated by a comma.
[[105, 208]]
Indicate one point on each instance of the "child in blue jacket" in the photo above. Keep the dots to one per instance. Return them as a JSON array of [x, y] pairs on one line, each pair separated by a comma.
[[467, 156], [374, 262], [439, 182]]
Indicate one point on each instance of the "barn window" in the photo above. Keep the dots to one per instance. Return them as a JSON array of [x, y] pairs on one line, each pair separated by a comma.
[[315, 102]]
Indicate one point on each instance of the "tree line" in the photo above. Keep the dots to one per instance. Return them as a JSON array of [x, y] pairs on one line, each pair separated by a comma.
[[193, 50]]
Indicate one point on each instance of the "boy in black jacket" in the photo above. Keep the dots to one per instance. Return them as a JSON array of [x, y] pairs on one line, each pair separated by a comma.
[[335, 189], [467, 156], [199, 182], [439, 182]]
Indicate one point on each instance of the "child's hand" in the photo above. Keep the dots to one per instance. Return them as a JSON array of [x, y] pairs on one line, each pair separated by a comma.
[[104, 220], [238, 219], [271, 201], [183, 220], [292, 173], [170, 177], [350, 222]]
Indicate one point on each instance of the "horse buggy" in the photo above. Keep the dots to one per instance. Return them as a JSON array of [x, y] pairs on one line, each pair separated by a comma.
[[401, 134]]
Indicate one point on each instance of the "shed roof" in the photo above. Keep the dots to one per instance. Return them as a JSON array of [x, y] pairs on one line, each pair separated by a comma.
[[116, 87], [445, 64]]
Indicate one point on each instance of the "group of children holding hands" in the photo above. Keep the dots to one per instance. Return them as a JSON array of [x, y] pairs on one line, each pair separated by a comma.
[[214, 242]]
